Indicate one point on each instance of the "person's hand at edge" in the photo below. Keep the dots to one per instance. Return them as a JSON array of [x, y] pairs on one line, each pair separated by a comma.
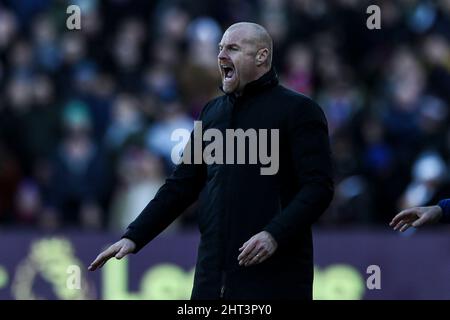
[[416, 217]]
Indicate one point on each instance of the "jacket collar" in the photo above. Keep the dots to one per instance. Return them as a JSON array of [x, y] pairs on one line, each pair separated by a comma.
[[266, 81]]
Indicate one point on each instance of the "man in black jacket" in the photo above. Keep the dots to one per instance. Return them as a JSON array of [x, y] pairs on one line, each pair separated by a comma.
[[256, 240]]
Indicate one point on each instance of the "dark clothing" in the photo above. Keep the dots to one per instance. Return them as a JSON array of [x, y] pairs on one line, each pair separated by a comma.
[[445, 206], [237, 202]]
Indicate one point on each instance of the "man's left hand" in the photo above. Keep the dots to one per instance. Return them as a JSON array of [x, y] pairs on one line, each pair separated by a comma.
[[257, 249]]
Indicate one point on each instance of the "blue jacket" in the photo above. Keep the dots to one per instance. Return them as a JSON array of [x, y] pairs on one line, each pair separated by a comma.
[[445, 205]]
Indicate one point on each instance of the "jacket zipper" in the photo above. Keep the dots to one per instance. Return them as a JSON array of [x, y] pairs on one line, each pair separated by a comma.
[[222, 288], [227, 218]]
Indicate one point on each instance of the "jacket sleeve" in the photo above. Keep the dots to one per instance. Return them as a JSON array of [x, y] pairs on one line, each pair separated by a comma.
[[310, 149], [179, 191], [445, 206]]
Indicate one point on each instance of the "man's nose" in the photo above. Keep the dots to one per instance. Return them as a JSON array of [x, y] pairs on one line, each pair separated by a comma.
[[222, 55]]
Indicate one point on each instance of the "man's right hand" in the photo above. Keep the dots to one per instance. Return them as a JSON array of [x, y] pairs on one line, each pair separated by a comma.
[[416, 217], [118, 250]]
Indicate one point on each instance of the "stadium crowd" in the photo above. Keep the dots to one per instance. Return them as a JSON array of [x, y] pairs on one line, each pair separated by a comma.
[[86, 115]]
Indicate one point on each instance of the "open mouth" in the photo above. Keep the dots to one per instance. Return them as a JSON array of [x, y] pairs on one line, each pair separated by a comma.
[[227, 72]]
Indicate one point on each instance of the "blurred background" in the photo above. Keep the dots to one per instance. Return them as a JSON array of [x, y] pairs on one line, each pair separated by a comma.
[[86, 115]]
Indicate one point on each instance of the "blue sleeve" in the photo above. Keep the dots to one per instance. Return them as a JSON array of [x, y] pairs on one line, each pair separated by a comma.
[[445, 206]]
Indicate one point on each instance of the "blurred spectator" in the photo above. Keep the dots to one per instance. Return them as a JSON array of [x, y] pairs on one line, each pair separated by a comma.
[[430, 182], [8, 28], [46, 47], [126, 121], [159, 135], [140, 174], [340, 101], [299, 69], [40, 122], [78, 173], [28, 203]]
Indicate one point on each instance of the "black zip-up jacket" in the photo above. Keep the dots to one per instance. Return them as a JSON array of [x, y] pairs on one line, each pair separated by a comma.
[[237, 202]]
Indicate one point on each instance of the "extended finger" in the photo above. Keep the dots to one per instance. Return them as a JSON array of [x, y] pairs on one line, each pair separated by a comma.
[[94, 264], [405, 227], [102, 258], [401, 216], [400, 224], [246, 251], [102, 264], [99, 261], [244, 245], [252, 254]]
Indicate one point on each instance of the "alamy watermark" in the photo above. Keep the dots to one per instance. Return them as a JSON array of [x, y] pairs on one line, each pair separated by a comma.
[[73, 22], [73, 281], [374, 20], [259, 142], [374, 280]]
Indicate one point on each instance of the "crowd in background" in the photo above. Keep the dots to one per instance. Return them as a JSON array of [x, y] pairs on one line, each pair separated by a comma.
[[86, 115]]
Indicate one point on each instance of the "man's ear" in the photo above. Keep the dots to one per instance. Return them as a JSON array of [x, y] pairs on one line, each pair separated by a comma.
[[261, 56]]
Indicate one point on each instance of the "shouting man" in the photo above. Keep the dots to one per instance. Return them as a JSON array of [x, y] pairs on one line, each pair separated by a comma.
[[256, 240]]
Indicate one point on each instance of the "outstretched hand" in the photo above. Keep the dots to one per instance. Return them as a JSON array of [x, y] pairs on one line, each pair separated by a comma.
[[416, 217], [118, 250], [257, 249]]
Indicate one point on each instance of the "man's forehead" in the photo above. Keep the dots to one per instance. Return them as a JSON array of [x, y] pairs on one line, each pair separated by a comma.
[[236, 36]]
